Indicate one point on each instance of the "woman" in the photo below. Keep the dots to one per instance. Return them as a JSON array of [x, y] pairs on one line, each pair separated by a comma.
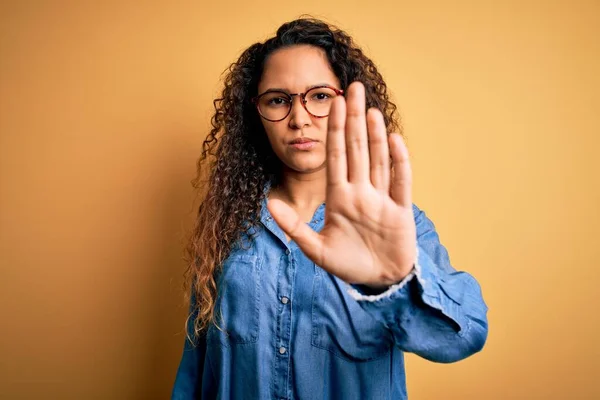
[[311, 271]]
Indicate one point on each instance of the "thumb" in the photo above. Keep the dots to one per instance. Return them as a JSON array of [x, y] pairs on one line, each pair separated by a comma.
[[288, 219]]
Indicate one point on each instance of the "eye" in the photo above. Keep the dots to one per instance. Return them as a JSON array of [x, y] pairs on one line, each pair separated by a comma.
[[321, 96], [277, 101]]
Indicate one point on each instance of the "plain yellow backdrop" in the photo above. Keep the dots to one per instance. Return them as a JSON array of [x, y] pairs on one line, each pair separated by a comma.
[[103, 109]]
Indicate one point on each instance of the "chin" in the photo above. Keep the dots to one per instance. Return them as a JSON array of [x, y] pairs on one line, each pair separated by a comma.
[[306, 167], [306, 162]]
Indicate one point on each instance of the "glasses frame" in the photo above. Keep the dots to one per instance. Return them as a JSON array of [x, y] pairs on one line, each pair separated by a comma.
[[255, 100]]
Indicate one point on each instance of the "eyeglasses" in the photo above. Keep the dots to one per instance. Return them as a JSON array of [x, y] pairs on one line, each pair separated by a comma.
[[275, 105]]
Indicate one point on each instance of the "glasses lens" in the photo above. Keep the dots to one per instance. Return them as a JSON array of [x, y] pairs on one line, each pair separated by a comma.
[[319, 100], [274, 105]]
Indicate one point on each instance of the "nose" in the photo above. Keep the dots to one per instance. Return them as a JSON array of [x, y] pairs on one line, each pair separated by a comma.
[[299, 117]]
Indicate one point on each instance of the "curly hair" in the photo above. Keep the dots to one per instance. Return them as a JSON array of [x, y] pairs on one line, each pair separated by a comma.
[[237, 160]]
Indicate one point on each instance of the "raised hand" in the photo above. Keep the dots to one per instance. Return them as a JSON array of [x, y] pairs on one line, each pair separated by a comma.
[[369, 236]]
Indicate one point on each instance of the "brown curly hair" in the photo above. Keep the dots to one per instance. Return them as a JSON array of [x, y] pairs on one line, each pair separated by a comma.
[[237, 160]]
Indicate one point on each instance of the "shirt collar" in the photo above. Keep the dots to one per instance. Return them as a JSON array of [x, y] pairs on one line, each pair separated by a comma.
[[316, 223]]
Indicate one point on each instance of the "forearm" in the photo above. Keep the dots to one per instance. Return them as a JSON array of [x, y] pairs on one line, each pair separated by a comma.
[[435, 313]]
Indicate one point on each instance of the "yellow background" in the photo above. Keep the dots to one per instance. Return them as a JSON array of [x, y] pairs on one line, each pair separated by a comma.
[[103, 109]]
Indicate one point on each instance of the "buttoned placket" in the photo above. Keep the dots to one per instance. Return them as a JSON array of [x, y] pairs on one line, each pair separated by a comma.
[[282, 383], [282, 342]]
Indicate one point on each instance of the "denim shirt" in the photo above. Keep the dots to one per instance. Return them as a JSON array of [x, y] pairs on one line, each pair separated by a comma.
[[290, 330]]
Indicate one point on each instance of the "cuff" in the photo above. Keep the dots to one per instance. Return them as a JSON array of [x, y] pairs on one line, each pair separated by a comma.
[[435, 289], [358, 294]]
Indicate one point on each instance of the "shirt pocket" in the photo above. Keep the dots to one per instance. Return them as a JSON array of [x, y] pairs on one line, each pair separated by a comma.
[[238, 302], [341, 326]]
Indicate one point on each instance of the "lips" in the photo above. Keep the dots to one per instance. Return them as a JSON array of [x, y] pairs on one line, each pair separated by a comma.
[[303, 144], [302, 140]]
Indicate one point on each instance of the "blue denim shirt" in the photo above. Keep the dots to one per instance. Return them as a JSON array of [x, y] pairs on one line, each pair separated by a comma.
[[290, 330]]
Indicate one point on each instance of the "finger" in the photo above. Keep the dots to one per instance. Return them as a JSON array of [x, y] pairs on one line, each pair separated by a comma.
[[357, 147], [337, 172], [401, 187], [379, 154], [290, 222]]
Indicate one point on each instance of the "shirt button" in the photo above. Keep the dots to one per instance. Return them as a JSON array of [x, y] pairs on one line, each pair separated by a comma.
[[282, 350], [287, 251], [284, 300]]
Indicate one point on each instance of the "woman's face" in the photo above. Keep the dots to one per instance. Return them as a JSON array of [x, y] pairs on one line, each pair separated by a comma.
[[296, 69]]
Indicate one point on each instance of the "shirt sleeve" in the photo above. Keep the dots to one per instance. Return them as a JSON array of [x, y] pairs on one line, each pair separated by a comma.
[[436, 312], [188, 380]]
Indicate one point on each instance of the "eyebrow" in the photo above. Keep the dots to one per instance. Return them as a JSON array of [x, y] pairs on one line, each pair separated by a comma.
[[306, 89]]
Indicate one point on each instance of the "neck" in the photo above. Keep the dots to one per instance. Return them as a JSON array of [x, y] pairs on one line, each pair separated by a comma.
[[302, 191]]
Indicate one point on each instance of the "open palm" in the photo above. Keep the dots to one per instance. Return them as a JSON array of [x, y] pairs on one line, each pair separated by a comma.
[[369, 236]]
